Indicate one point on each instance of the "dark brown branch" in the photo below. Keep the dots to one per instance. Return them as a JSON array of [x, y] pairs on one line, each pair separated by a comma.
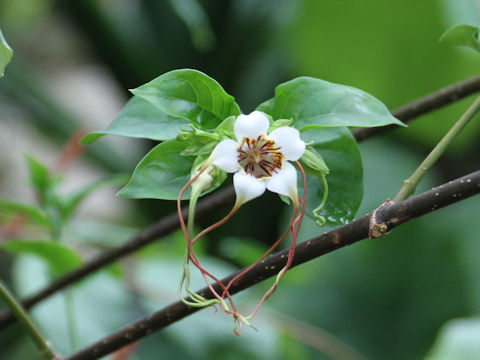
[[170, 223], [390, 216], [425, 105]]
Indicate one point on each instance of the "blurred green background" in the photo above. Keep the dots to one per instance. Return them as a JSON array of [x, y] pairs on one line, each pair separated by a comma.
[[412, 295]]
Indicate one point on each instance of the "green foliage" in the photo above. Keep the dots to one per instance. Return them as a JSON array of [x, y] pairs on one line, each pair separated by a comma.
[[193, 15], [314, 103], [462, 35], [34, 213], [190, 94], [345, 180], [311, 105], [141, 119], [458, 339], [101, 297], [161, 173], [70, 202], [42, 181], [6, 53], [396, 58], [59, 258]]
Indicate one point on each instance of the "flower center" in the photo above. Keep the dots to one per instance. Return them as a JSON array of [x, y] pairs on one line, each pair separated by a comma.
[[259, 157]]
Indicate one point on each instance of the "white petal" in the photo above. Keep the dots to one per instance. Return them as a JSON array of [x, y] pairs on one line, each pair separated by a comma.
[[251, 126], [225, 155], [288, 138], [284, 181], [247, 187]]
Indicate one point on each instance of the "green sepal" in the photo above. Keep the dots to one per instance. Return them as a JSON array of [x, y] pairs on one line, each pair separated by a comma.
[[199, 142], [279, 123], [313, 162], [225, 129]]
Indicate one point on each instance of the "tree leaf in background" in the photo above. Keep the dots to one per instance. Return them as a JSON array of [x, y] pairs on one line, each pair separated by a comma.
[[141, 119], [345, 180], [462, 35], [196, 19], [6, 53], [190, 94], [41, 179], [459, 339], [161, 174], [101, 297], [34, 213], [315, 103], [68, 203], [60, 258]]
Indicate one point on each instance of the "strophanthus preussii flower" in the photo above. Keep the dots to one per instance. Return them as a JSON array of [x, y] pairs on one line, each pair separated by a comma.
[[260, 161]]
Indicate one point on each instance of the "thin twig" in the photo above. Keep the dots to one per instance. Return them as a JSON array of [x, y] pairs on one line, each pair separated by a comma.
[[389, 216], [425, 105], [409, 185], [168, 224]]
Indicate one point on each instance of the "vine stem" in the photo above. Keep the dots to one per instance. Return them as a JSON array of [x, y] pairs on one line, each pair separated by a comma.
[[42, 345], [409, 185]]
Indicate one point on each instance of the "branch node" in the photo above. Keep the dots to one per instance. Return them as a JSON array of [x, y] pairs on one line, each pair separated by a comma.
[[377, 226]]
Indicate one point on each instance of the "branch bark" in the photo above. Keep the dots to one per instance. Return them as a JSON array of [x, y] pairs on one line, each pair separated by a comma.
[[168, 224], [425, 105], [389, 216]]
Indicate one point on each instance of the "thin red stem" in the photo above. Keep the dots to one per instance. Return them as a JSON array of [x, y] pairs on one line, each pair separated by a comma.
[[193, 256], [275, 244], [216, 225], [291, 252]]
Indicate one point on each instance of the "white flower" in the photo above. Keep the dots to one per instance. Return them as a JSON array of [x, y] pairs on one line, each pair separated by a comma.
[[260, 161]]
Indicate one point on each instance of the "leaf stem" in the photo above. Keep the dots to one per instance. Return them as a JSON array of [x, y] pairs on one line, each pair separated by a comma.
[[410, 184], [42, 345]]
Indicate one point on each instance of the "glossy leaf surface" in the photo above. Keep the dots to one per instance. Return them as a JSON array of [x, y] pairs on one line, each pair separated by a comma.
[[315, 103], [141, 119], [190, 94], [345, 180], [161, 173]]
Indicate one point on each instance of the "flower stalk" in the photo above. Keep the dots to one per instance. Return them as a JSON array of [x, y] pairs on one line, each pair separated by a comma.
[[259, 162]]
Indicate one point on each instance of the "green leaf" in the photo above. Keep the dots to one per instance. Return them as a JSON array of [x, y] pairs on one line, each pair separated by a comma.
[[161, 174], [462, 35], [6, 53], [458, 339], [345, 180], [190, 94], [34, 213], [60, 258], [141, 119], [68, 203], [41, 180], [196, 19], [314, 103]]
